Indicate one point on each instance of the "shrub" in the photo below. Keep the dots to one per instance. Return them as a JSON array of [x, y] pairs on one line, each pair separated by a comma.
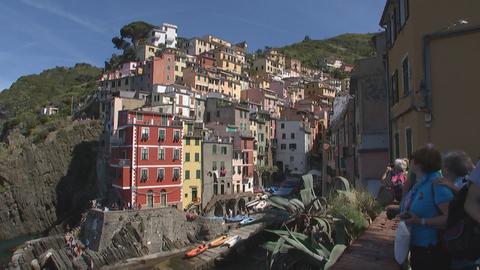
[[39, 135], [342, 207]]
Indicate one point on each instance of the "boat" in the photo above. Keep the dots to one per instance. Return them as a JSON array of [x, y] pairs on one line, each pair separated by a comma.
[[260, 206], [218, 242], [194, 252], [236, 218], [230, 242], [252, 203], [247, 221]]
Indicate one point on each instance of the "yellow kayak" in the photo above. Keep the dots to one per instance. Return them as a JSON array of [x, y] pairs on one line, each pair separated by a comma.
[[218, 242]]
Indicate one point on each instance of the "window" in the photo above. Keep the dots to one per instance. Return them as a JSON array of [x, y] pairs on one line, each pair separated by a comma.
[[164, 120], [187, 141], [223, 150], [139, 116], [282, 125], [145, 133], [187, 157], [397, 145], [284, 136], [406, 77], [197, 142], [404, 12], [161, 134], [187, 175], [161, 154], [408, 142], [176, 135], [176, 154], [292, 146], [395, 94], [214, 165], [262, 137], [283, 146], [197, 157], [292, 158], [176, 174], [144, 154], [160, 174], [292, 136], [143, 175], [214, 149], [198, 174]]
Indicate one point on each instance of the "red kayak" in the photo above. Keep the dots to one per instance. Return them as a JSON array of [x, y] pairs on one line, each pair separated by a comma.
[[194, 252]]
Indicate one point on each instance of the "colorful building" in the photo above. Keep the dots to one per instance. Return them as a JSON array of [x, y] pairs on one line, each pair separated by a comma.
[[192, 164], [147, 162]]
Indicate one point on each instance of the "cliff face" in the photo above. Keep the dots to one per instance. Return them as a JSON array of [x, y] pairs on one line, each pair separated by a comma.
[[43, 184]]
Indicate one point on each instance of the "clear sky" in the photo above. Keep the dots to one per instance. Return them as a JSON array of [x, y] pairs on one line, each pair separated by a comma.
[[39, 34]]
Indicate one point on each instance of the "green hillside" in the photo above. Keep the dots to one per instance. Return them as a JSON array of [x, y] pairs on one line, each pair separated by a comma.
[[20, 105], [347, 47]]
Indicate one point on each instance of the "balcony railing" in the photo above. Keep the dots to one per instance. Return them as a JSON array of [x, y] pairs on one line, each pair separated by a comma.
[[124, 162]]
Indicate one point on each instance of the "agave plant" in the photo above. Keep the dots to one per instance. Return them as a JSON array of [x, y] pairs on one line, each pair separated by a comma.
[[311, 238]]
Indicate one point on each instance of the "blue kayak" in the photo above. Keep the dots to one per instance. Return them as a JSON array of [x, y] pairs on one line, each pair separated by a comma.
[[247, 221], [236, 218]]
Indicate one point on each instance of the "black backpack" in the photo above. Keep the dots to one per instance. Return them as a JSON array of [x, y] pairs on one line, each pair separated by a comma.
[[462, 236]]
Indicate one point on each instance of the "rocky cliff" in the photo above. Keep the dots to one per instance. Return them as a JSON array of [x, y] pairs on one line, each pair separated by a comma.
[[49, 182], [113, 237]]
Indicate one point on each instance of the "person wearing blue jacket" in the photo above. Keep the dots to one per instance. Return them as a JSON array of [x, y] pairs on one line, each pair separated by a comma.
[[425, 210]]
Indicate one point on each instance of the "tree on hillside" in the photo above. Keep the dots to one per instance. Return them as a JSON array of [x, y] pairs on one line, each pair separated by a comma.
[[120, 43], [307, 38], [131, 35], [136, 31]]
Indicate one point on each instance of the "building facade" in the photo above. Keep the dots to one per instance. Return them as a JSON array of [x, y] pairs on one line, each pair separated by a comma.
[[217, 167], [431, 68], [147, 162]]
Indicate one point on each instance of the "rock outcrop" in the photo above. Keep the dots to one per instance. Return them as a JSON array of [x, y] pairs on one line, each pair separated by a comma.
[[113, 237], [44, 184]]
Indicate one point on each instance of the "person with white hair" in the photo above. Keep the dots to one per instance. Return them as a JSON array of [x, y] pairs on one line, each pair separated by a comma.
[[456, 167], [462, 234], [396, 177]]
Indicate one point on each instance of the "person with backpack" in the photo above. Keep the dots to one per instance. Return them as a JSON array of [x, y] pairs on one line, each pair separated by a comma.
[[462, 236], [424, 209]]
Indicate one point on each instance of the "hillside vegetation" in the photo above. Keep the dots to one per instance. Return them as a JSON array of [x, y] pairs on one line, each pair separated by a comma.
[[347, 47], [20, 105]]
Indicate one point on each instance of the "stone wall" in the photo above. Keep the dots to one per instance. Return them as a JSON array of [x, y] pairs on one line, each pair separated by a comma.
[[159, 229]]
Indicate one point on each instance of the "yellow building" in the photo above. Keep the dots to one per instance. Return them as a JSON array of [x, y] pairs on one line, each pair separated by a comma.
[[192, 166], [433, 58], [145, 52], [227, 59], [180, 65]]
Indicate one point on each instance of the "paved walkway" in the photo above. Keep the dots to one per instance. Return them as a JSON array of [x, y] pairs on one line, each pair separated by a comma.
[[373, 250]]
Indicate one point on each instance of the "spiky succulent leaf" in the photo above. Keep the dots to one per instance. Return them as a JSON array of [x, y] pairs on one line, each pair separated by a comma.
[[337, 251]]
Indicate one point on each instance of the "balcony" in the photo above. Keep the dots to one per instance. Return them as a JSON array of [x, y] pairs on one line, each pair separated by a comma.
[[124, 162]]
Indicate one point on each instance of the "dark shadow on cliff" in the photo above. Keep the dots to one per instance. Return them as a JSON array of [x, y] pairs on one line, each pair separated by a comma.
[[78, 186]]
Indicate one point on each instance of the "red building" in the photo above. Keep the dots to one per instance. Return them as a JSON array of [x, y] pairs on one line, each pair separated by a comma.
[[206, 60], [246, 146], [147, 162]]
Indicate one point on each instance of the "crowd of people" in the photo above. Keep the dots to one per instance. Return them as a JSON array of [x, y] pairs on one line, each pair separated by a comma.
[[439, 199]]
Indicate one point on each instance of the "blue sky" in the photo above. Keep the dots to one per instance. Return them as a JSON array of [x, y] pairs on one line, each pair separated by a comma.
[[39, 34]]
